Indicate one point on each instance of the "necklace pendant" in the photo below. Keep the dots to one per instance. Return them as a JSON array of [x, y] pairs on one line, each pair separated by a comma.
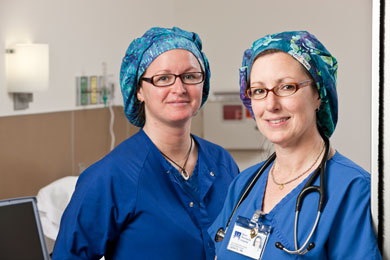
[[281, 187], [184, 174]]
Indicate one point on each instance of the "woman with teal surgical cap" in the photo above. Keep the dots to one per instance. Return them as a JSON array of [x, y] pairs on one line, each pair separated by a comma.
[[155, 195], [288, 84]]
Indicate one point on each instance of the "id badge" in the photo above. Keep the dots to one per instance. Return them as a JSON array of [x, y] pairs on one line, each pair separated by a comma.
[[249, 237]]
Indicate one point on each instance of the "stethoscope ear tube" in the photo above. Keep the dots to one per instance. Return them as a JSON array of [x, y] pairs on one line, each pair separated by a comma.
[[321, 204], [309, 187], [304, 192], [221, 232]]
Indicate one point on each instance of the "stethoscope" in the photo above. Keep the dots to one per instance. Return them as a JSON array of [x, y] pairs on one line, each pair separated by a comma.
[[308, 188]]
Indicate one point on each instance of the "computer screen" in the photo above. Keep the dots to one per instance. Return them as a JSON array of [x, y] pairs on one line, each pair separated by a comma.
[[21, 235]]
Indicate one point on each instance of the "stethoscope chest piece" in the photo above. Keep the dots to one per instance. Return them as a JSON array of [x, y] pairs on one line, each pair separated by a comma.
[[220, 235]]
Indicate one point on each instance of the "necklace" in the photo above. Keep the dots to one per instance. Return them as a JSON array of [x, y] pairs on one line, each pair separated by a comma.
[[183, 171], [281, 184]]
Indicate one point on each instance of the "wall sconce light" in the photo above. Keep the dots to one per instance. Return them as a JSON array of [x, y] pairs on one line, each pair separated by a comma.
[[27, 71]]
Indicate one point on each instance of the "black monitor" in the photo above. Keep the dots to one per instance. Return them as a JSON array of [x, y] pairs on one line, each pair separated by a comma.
[[21, 235]]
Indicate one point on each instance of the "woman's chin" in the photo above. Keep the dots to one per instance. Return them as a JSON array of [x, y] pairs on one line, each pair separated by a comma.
[[276, 138], [179, 119]]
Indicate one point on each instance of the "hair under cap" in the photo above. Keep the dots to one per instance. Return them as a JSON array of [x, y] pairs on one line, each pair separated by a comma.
[[313, 55], [143, 51]]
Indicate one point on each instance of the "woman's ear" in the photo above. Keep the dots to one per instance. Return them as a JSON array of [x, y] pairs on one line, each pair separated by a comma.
[[140, 95], [319, 104], [318, 100]]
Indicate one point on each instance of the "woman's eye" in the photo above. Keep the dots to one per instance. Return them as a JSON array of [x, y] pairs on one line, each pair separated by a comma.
[[288, 87], [162, 78], [188, 76], [258, 91]]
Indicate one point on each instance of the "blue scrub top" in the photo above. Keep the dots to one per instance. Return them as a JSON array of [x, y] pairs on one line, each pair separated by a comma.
[[345, 227], [130, 205]]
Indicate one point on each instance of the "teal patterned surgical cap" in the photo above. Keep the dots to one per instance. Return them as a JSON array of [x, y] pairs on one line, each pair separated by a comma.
[[313, 55], [143, 51]]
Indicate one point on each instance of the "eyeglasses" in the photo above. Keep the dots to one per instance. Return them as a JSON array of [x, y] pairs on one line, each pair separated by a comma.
[[283, 90], [165, 80]]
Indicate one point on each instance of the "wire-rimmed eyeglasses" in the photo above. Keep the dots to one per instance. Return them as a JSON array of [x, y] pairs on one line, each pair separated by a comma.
[[165, 80], [283, 90]]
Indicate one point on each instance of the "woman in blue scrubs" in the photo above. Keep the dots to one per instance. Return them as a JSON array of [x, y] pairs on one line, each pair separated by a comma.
[[288, 83], [155, 195]]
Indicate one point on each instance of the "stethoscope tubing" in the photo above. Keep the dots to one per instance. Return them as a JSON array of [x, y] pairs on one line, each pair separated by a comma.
[[251, 185], [308, 188]]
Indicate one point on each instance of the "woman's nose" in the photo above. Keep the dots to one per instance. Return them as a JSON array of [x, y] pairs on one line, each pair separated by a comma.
[[272, 101], [178, 86]]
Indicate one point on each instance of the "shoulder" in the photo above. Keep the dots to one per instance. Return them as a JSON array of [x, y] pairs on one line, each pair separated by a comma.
[[243, 179], [348, 210], [113, 178], [133, 149], [216, 156], [122, 165], [346, 170], [249, 173], [346, 179], [210, 148]]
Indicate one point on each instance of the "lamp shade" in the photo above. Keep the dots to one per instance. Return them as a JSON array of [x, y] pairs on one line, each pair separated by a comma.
[[27, 68]]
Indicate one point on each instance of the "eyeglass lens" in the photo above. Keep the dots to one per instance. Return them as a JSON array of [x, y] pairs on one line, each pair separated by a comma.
[[282, 90], [169, 79]]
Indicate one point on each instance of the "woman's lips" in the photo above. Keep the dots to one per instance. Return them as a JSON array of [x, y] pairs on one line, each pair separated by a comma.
[[178, 102], [277, 121]]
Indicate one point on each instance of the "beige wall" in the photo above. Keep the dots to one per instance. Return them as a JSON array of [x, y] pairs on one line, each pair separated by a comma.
[[81, 36], [38, 149]]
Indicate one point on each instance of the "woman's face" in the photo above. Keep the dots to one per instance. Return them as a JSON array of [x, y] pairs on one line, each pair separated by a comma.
[[173, 104], [283, 120]]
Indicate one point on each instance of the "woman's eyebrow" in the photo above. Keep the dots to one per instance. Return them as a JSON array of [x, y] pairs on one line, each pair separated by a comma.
[[278, 81], [168, 71]]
